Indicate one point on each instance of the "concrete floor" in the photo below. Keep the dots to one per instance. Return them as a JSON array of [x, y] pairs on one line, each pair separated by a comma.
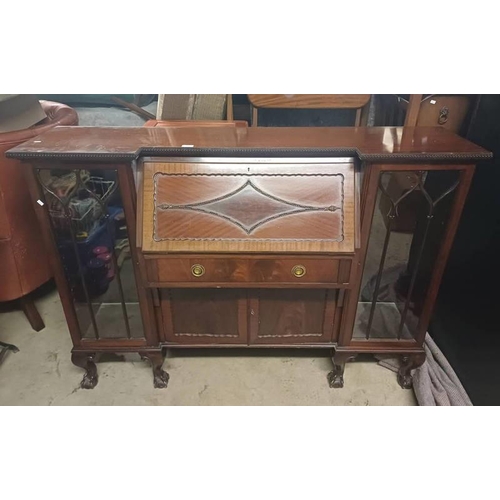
[[42, 372]]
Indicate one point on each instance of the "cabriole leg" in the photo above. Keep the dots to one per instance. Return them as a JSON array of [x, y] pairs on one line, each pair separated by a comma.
[[409, 362], [160, 376], [336, 376], [86, 361]]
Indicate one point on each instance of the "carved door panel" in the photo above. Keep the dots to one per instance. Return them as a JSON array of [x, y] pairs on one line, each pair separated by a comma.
[[248, 205], [204, 316], [305, 316]]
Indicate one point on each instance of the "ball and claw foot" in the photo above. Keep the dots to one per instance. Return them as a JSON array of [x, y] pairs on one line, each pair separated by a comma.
[[408, 364], [336, 376], [87, 362], [335, 380], [90, 380], [160, 376], [405, 381]]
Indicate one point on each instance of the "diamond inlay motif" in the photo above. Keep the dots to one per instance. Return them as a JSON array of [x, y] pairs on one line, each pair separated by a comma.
[[249, 207]]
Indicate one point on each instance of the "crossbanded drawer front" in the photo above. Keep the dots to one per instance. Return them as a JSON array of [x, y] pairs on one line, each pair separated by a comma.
[[248, 207], [165, 271]]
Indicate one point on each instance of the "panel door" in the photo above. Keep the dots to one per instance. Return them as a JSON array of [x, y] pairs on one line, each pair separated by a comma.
[[292, 316], [204, 316]]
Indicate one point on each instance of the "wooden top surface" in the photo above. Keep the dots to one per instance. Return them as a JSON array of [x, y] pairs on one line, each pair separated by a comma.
[[368, 143]]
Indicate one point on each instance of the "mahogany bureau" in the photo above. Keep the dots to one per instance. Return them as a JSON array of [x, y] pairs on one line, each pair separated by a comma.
[[235, 237]]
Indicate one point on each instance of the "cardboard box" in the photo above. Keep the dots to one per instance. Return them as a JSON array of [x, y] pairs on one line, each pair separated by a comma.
[[191, 107]]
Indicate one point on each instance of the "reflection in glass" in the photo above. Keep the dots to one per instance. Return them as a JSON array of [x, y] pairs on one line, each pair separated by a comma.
[[87, 217], [410, 217]]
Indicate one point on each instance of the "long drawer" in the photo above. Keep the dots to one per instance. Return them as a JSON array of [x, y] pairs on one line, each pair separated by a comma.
[[231, 271]]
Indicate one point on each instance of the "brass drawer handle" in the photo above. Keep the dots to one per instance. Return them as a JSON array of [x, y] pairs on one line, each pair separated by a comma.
[[299, 271], [197, 270]]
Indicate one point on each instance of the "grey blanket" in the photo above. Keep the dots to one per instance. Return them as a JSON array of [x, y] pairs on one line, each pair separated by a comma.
[[435, 383]]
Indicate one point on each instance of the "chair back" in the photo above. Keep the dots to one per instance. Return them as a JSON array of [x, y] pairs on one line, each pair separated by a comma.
[[359, 102]]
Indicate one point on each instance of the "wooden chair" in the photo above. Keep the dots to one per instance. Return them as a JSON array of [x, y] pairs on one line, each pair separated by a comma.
[[359, 102], [443, 110], [195, 123]]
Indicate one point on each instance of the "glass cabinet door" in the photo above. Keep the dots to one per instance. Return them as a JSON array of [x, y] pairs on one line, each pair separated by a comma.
[[90, 229], [412, 211]]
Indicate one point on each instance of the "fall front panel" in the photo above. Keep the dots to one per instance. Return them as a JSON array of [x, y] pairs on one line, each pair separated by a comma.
[[248, 207]]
